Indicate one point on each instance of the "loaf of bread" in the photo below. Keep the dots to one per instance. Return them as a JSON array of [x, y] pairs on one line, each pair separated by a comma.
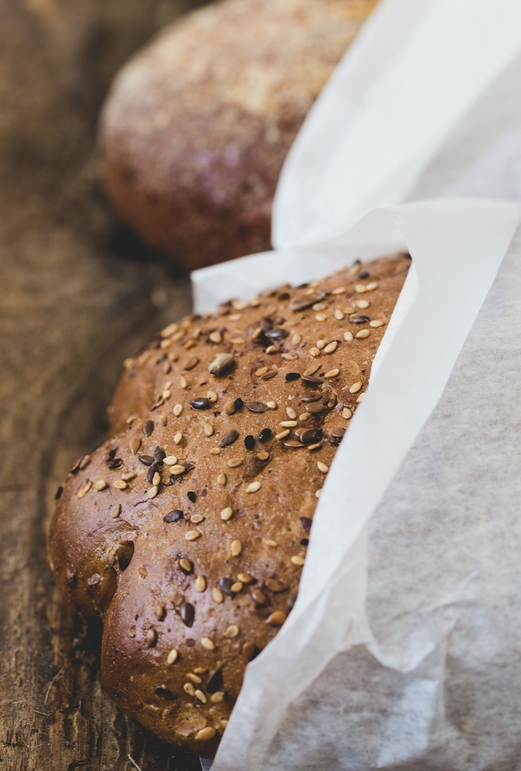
[[187, 530], [196, 127]]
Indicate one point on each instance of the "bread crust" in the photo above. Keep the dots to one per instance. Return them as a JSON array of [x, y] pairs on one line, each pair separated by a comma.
[[196, 127], [202, 552]]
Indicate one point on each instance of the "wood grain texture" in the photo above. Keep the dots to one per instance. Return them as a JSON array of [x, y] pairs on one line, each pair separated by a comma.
[[77, 294]]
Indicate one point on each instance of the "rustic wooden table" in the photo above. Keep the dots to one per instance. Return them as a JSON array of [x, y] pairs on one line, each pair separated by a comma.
[[78, 293]]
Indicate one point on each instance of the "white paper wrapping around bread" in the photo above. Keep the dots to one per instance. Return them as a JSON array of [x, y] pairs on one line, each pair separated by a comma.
[[403, 650]]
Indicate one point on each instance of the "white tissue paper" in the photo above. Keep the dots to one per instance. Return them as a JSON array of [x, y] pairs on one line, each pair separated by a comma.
[[403, 650]]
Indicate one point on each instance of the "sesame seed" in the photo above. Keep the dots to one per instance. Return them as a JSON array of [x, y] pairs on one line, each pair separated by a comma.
[[170, 460], [169, 330], [234, 462], [151, 637], [191, 362], [289, 356], [360, 288], [271, 349], [346, 413], [272, 405], [338, 314], [226, 514], [375, 324], [172, 656], [360, 398], [84, 490], [373, 285], [218, 596], [245, 578], [314, 352], [192, 535], [261, 371], [282, 434], [183, 382], [321, 344], [177, 410], [322, 467], [215, 451], [270, 542], [348, 336], [331, 347], [232, 631], [208, 429], [189, 689], [290, 412], [200, 584], [311, 370], [288, 423], [332, 373], [177, 469], [362, 304], [362, 334], [236, 548], [355, 387], [296, 339], [120, 484], [178, 438], [339, 290], [253, 487], [135, 444], [100, 484], [263, 456], [166, 394], [160, 612], [276, 618], [201, 696], [185, 565], [211, 396], [194, 678], [207, 643], [221, 480], [317, 494], [205, 734], [217, 697], [163, 420], [296, 560], [215, 337], [156, 479], [115, 511], [312, 447], [237, 587], [305, 416], [321, 317], [196, 518]]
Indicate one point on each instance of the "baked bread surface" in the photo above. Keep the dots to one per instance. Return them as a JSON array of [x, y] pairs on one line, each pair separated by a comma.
[[187, 530], [197, 126]]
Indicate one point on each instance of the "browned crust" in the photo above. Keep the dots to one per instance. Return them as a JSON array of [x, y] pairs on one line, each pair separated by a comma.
[[197, 126], [126, 568]]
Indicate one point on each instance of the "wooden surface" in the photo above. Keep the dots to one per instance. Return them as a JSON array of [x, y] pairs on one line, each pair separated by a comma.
[[78, 293]]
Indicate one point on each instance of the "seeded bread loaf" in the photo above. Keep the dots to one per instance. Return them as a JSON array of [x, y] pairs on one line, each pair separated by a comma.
[[196, 128], [187, 530]]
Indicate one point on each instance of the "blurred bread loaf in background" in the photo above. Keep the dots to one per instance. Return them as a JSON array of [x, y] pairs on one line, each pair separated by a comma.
[[197, 126]]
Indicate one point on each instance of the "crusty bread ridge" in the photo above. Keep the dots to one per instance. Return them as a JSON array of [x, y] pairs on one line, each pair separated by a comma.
[[187, 530], [197, 125]]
